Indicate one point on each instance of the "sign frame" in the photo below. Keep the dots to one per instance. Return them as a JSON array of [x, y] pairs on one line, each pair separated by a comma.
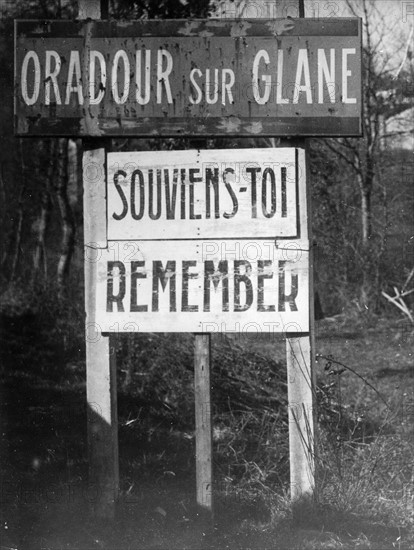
[[216, 172], [287, 259], [242, 115]]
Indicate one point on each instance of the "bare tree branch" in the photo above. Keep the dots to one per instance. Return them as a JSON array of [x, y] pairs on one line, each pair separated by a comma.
[[410, 36], [341, 155]]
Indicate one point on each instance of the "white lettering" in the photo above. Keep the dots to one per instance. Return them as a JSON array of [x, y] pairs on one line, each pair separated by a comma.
[[163, 75], [210, 87], [303, 67], [324, 72], [196, 87], [120, 54], [279, 86], [227, 86], [95, 55], [261, 100], [346, 73], [74, 71], [30, 100], [143, 100], [50, 76]]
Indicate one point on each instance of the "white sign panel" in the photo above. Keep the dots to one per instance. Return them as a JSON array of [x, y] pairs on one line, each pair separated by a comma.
[[205, 241], [217, 194], [210, 286]]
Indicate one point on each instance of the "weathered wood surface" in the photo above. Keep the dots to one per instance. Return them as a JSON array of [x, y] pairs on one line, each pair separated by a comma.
[[100, 354], [189, 77], [230, 258], [300, 350], [211, 194], [204, 439], [100, 357], [301, 417], [180, 286]]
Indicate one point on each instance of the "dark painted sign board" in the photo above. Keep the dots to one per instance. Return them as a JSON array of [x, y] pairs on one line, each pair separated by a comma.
[[257, 77]]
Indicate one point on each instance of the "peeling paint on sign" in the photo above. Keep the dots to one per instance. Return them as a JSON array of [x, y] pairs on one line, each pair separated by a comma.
[[205, 241], [184, 287], [195, 77]]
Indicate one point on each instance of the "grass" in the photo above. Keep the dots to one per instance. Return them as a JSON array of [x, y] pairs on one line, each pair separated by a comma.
[[365, 450]]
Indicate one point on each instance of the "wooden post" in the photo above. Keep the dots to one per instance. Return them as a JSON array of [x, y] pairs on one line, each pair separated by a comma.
[[204, 469], [300, 349], [100, 353], [300, 361]]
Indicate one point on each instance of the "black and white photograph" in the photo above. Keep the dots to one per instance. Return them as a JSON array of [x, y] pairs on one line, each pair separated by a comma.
[[206, 275]]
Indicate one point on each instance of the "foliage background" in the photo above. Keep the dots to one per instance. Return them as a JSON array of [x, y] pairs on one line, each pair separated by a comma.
[[352, 265]]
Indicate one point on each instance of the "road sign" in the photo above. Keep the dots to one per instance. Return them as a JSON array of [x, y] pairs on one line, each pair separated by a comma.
[[211, 194], [189, 77], [204, 241], [176, 286]]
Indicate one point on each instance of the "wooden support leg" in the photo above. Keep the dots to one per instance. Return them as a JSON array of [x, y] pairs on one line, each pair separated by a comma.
[[301, 425], [204, 471], [300, 350], [102, 425], [100, 353]]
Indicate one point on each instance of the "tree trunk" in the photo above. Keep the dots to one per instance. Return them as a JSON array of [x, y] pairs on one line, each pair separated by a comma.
[[365, 182], [19, 220], [366, 216], [367, 284], [40, 256], [68, 224]]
